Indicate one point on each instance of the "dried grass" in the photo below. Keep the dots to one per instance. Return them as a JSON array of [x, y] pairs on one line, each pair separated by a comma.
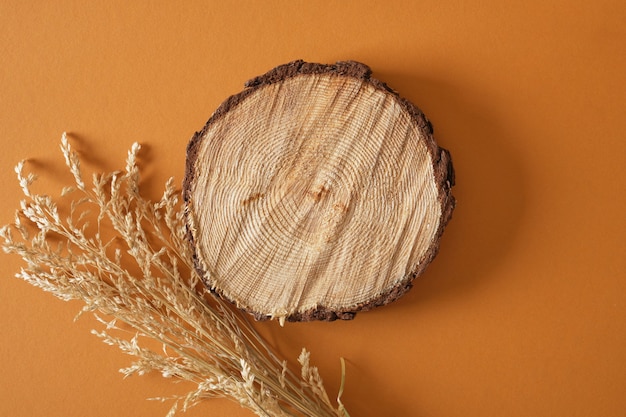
[[127, 259]]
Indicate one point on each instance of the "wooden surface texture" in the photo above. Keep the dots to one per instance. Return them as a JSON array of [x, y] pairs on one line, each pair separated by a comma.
[[318, 192]]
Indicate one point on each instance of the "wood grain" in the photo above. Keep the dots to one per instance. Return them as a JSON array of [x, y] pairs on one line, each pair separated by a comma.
[[315, 193]]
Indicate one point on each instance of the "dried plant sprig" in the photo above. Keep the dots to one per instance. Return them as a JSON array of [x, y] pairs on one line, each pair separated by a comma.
[[127, 259]]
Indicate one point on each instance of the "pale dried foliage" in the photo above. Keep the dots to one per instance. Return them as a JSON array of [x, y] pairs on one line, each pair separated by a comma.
[[127, 259]]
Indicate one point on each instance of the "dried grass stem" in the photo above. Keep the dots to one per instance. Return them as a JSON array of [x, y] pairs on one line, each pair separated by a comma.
[[128, 260]]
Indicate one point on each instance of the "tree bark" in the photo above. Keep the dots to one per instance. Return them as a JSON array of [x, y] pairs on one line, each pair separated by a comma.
[[315, 193]]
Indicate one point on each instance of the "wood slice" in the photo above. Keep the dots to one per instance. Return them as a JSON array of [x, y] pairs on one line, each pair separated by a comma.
[[315, 193]]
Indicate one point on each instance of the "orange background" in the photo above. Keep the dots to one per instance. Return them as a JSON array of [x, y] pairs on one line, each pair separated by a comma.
[[523, 313]]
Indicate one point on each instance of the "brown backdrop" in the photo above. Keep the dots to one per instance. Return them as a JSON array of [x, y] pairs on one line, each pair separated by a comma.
[[523, 313]]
